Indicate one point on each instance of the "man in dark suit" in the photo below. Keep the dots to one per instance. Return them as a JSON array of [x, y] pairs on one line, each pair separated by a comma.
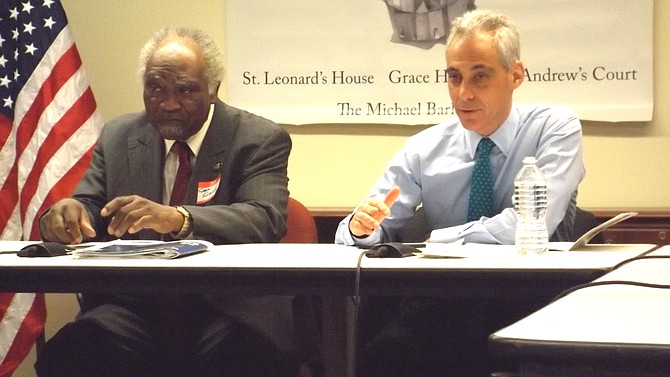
[[237, 193]]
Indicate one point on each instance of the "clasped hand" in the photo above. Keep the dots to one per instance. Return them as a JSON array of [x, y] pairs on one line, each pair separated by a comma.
[[371, 213], [68, 222]]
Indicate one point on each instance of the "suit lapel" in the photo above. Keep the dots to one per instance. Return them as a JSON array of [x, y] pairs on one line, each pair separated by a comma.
[[145, 162], [215, 147], [146, 156]]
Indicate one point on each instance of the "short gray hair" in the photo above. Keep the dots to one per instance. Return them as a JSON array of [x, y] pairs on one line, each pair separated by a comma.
[[501, 28], [214, 69]]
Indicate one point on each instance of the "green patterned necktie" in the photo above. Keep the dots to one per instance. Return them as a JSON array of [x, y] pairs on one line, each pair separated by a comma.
[[481, 191]]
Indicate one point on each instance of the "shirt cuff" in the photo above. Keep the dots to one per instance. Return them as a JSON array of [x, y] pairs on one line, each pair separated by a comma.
[[343, 235], [451, 234]]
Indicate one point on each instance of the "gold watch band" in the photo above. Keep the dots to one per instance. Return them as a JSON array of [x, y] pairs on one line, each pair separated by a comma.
[[186, 226]]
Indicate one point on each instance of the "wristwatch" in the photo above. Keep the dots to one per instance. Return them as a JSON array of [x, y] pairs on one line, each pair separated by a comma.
[[186, 226]]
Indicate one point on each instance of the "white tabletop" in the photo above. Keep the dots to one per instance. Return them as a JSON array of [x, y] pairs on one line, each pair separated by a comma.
[[481, 256], [474, 256], [608, 314], [260, 256], [281, 268]]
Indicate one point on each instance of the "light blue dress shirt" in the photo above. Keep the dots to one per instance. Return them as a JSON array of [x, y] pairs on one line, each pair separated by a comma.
[[434, 169]]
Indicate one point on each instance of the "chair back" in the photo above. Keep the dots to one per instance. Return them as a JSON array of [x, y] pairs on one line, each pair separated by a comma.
[[300, 225], [417, 229], [585, 221], [301, 228]]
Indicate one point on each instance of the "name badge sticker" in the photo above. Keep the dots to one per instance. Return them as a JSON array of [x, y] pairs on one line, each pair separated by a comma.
[[207, 190]]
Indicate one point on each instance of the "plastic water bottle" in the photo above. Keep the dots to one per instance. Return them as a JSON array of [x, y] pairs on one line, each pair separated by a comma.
[[530, 204]]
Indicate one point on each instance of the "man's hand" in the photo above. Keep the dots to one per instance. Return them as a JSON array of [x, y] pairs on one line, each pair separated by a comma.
[[371, 213], [133, 213], [66, 222]]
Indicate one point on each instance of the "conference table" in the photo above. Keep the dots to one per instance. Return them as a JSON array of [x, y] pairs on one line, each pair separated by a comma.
[[335, 272], [616, 326]]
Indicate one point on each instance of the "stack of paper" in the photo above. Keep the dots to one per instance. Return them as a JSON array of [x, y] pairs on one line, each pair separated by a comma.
[[143, 249]]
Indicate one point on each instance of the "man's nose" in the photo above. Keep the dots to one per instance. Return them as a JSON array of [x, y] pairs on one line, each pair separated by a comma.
[[170, 102], [465, 92]]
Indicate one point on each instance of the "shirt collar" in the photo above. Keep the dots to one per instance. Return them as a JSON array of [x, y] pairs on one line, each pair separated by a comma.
[[502, 137], [195, 141]]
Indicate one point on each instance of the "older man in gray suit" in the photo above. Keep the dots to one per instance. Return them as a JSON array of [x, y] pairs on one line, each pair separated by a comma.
[[237, 193]]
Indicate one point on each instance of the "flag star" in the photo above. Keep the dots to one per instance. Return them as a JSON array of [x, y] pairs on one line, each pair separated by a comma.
[[3, 61], [27, 7], [16, 54], [16, 75], [30, 49], [28, 28], [15, 34], [8, 102], [13, 13], [47, 3], [2, 40], [49, 22], [4, 81]]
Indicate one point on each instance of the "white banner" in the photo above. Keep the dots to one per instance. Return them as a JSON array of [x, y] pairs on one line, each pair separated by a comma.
[[383, 61]]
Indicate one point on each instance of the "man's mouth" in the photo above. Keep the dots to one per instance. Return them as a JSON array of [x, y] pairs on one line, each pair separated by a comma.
[[170, 120]]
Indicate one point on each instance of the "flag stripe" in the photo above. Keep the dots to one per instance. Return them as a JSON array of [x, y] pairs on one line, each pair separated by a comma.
[[44, 72], [5, 130], [58, 135], [62, 188], [15, 327], [8, 197], [66, 160], [26, 96], [62, 71], [48, 127], [75, 129], [60, 74]]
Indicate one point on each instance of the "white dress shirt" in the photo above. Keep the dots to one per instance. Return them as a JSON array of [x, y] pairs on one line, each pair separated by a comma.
[[435, 166]]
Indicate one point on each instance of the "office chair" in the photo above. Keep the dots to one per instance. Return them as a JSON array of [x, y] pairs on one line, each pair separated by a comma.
[[301, 228], [300, 225], [585, 221], [417, 229]]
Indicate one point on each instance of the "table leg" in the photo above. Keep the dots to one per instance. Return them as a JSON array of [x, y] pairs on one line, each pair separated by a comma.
[[338, 347]]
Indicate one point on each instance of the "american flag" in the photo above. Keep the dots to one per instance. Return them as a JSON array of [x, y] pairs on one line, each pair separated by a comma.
[[48, 127]]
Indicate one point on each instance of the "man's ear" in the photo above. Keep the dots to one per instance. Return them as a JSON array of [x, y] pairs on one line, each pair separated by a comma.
[[213, 94], [518, 73]]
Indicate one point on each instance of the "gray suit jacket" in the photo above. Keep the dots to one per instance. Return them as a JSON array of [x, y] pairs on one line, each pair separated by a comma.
[[249, 153]]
